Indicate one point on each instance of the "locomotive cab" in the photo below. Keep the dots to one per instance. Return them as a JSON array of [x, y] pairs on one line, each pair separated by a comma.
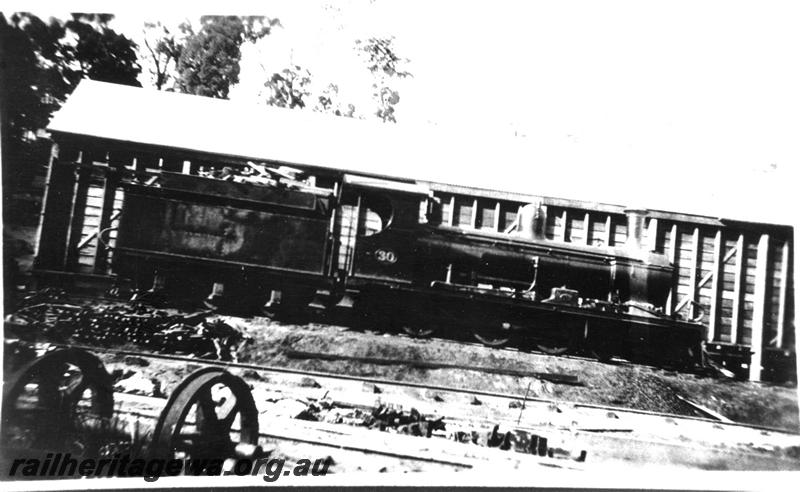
[[380, 222]]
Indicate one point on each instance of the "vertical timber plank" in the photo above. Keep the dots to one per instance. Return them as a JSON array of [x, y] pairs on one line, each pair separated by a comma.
[[78, 209], [607, 237], [51, 244], [738, 289], [652, 235], [759, 308], [117, 162], [452, 215], [139, 167], [673, 259], [562, 234], [587, 228], [543, 217], [782, 296], [474, 218], [496, 225], [716, 284], [693, 271]]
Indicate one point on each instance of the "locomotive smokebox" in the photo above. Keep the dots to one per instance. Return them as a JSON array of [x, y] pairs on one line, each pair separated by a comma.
[[531, 221], [636, 217]]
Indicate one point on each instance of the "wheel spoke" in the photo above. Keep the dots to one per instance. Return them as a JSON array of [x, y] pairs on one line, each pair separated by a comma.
[[227, 422], [185, 441], [206, 408], [74, 390]]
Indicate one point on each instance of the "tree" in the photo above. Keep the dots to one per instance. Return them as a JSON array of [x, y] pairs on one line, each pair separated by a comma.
[[328, 102], [164, 47], [387, 67], [288, 87], [42, 63], [101, 53], [209, 62]]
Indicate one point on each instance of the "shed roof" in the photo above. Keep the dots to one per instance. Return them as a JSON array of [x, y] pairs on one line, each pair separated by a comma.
[[519, 165]]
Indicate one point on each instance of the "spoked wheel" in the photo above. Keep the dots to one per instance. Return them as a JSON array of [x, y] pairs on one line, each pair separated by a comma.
[[372, 314], [559, 341], [417, 330], [212, 415], [553, 347], [492, 336], [57, 402]]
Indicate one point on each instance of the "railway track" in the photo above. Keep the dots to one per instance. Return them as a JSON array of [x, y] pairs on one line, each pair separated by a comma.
[[611, 434], [508, 397]]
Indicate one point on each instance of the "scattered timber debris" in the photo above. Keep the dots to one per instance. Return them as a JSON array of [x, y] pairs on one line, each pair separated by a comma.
[[251, 374], [135, 361], [705, 411], [383, 417], [308, 382], [519, 441], [260, 174], [372, 388], [387, 417], [119, 324]]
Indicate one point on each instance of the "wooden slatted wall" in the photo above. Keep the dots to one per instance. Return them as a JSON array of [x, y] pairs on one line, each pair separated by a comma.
[[738, 277], [734, 279]]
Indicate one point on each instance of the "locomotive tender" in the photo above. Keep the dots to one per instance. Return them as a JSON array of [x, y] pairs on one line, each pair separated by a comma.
[[382, 242]]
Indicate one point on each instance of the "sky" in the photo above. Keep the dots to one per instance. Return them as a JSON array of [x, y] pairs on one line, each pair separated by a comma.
[[679, 105]]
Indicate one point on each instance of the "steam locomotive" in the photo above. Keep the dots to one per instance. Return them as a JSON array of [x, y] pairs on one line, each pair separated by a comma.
[[382, 243]]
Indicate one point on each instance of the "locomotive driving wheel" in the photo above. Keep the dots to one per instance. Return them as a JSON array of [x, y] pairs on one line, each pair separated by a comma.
[[211, 414], [417, 330], [416, 326], [553, 347], [493, 336], [560, 340], [57, 401]]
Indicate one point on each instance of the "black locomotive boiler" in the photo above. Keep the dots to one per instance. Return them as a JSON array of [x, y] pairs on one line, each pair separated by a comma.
[[382, 242]]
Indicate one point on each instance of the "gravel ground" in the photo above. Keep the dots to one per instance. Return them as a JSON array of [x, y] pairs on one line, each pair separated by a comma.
[[617, 383]]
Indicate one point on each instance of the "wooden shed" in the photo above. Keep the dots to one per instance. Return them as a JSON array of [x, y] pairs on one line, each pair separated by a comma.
[[736, 273]]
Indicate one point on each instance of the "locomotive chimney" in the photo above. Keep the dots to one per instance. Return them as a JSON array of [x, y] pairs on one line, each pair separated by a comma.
[[636, 218], [531, 221]]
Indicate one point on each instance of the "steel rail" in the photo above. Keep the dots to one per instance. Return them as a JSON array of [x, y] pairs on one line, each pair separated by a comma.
[[411, 384]]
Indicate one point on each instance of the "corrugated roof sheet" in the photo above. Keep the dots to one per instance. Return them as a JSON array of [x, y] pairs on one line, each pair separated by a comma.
[[518, 165]]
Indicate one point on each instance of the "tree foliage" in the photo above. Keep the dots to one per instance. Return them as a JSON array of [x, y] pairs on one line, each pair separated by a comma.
[[294, 87], [164, 47], [209, 62], [328, 101], [289, 87], [386, 67], [42, 64]]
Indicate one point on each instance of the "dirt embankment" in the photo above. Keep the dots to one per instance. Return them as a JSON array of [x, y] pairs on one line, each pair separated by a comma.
[[621, 384]]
